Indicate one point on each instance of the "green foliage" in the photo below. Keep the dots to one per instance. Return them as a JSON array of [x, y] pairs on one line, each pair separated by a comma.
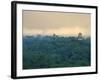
[[52, 52]]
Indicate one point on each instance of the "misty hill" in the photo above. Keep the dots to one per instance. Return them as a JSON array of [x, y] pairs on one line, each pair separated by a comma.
[[55, 51]]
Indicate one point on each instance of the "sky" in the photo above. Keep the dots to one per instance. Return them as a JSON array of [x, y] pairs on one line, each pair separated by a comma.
[[59, 23]]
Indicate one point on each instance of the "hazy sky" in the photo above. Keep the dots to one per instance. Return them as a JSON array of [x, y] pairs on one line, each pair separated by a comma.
[[60, 23]]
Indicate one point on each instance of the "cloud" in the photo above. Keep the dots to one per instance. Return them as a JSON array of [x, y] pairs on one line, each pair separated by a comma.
[[52, 21]]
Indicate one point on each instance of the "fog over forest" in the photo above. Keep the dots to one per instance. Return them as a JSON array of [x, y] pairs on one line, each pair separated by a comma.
[[56, 39]]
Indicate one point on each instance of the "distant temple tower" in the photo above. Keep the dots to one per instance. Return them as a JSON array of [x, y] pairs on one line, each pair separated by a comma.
[[54, 35], [79, 36]]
